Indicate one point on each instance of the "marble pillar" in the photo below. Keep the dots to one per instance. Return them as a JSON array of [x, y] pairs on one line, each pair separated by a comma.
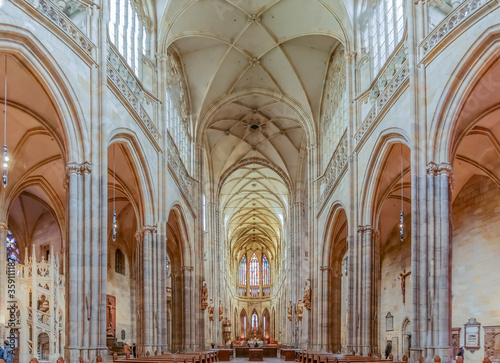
[[148, 287], [366, 288], [83, 269]]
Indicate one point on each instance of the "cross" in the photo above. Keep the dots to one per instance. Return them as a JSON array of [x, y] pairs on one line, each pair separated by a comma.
[[402, 277]]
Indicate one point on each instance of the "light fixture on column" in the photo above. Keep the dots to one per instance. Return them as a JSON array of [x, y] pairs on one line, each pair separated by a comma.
[[115, 224], [401, 215], [5, 150]]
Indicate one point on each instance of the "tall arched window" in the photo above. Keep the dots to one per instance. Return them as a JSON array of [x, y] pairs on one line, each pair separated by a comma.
[[243, 270], [127, 32], [266, 271], [119, 262], [176, 102], [254, 271], [12, 248], [334, 110], [255, 321], [383, 31]]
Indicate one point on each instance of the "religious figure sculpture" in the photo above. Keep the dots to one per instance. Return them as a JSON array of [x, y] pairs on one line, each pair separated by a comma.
[[211, 310], [299, 309], [402, 277], [290, 311], [221, 311], [204, 296], [307, 296]]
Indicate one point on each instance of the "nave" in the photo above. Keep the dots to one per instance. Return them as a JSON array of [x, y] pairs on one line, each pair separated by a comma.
[[187, 175]]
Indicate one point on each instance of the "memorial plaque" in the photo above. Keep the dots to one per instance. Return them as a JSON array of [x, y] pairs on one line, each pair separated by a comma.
[[389, 322], [471, 336]]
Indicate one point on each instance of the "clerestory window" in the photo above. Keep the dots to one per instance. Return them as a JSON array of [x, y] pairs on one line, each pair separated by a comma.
[[383, 31], [127, 31]]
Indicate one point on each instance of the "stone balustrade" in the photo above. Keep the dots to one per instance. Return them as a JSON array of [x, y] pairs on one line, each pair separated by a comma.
[[454, 19]]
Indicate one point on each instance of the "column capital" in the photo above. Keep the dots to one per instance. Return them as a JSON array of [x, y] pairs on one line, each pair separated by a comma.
[[443, 168], [4, 226], [187, 268], [439, 169], [369, 228], [350, 56], [325, 268], [78, 169], [311, 146], [143, 230]]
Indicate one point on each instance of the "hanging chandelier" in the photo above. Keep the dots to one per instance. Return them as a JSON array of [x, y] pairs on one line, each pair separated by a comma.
[[401, 215], [5, 150], [115, 224]]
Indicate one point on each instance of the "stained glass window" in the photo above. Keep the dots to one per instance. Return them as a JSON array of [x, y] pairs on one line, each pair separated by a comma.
[[255, 322], [266, 271], [243, 270], [12, 249], [254, 292], [254, 271], [266, 291]]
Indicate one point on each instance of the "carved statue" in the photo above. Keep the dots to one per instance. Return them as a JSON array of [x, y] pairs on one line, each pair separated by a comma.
[[211, 310], [221, 311], [290, 311], [299, 309], [204, 295], [402, 277], [307, 296]]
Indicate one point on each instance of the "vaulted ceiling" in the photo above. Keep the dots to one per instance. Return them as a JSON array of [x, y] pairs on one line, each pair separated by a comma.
[[255, 71]]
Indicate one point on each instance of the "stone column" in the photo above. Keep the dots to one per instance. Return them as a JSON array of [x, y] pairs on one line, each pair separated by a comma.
[[145, 282], [434, 307], [79, 216], [366, 257], [351, 213], [187, 288], [326, 322], [162, 289]]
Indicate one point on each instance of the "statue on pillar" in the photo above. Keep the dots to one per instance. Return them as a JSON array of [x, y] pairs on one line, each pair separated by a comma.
[[290, 311], [221, 311], [299, 309], [211, 310], [307, 296], [204, 295]]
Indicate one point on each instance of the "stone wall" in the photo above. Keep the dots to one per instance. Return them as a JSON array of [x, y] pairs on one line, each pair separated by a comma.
[[476, 249], [121, 287], [395, 257]]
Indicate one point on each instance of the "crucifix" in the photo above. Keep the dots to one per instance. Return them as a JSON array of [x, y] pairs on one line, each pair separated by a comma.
[[402, 277]]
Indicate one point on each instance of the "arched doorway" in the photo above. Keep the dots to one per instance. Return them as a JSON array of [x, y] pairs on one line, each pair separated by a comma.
[[406, 338]]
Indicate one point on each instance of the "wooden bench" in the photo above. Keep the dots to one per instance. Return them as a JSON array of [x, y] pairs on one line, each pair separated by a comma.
[[289, 354]]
